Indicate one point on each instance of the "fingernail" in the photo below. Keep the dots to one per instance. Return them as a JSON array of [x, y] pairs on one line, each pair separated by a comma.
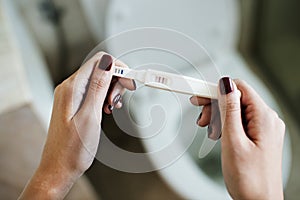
[[191, 99], [209, 131], [220, 134], [226, 85], [199, 117], [105, 62], [134, 84], [110, 107], [117, 99]]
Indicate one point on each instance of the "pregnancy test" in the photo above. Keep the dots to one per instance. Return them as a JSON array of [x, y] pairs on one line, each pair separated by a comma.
[[175, 83], [170, 82]]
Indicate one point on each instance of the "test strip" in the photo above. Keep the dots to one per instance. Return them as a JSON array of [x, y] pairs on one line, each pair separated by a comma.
[[169, 81]]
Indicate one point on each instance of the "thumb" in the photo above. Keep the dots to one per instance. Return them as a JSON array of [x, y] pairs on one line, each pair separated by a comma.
[[230, 110], [98, 86]]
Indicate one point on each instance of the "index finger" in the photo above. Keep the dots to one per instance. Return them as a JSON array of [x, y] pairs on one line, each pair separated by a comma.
[[200, 101]]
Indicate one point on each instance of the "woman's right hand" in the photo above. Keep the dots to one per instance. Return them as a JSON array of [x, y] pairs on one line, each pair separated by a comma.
[[251, 142], [75, 126]]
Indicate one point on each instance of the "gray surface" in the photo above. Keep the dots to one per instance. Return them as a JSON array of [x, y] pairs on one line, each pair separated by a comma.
[[271, 42], [278, 49]]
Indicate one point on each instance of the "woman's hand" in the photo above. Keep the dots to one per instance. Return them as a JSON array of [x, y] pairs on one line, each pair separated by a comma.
[[252, 140], [75, 126]]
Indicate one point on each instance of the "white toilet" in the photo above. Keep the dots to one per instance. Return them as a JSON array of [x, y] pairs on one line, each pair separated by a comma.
[[206, 32]]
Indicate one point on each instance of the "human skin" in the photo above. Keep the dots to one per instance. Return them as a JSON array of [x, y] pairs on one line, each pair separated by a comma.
[[251, 142], [252, 137], [75, 126]]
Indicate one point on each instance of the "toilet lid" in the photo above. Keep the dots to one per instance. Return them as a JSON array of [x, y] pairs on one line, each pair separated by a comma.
[[212, 23]]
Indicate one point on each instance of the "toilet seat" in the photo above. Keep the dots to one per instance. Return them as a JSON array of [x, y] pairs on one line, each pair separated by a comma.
[[215, 25]]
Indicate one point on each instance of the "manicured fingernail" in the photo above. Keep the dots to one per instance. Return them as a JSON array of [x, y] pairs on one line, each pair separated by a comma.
[[110, 107], [226, 85], [199, 117], [134, 84], [106, 62], [191, 99], [209, 131], [117, 99], [220, 134]]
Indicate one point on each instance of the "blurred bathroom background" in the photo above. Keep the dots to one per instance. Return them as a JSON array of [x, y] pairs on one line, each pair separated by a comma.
[[42, 42]]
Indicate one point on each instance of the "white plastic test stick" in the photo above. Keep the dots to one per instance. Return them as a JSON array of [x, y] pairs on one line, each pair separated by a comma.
[[169, 81]]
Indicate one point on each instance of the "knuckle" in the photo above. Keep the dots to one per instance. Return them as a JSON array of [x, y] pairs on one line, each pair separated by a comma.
[[280, 131], [272, 113], [97, 84], [65, 87], [281, 124], [231, 106], [57, 89], [277, 122]]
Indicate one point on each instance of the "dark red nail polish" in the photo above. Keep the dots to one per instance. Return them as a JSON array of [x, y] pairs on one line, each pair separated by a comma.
[[209, 130], [226, 85], [105, 62], [220, 134], [110, 107], [199, 117], [117, 99], [134, 84]]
